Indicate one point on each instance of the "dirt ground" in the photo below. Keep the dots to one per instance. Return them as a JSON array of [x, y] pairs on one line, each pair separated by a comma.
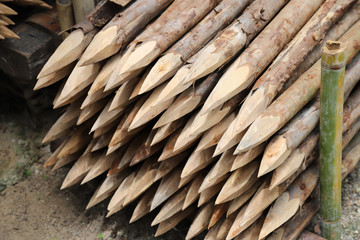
[[33, 207]]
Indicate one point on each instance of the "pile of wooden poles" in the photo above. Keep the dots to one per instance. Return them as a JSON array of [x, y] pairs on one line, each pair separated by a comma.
[[5, 11], [207, 108]]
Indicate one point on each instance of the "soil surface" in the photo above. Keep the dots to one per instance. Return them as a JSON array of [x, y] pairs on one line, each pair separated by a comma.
[[33, 207]]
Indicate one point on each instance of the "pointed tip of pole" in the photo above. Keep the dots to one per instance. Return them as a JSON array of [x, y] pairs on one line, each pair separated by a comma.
[[141, 56], [164, 68], [102, 46]]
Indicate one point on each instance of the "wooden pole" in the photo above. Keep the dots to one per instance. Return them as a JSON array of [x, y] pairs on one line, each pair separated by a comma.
[[66, 16], [82, 8], [331, 99]]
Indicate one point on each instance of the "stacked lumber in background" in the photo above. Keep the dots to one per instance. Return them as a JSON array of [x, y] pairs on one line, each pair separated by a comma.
[[205, 108], [6, 11]]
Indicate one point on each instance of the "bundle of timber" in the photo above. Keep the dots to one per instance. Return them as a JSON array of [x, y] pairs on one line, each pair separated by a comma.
[[6, 11], [207, 108]]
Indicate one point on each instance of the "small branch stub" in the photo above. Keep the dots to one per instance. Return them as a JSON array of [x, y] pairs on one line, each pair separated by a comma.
[[332, 94]]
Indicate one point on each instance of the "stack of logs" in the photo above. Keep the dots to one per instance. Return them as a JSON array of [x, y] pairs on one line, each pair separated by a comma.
[[5, 11], [207, 108]]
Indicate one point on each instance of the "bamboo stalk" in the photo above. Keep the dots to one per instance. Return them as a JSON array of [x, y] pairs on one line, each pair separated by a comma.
[[332, 93], [66, 17], [291, 135], [82, 8]]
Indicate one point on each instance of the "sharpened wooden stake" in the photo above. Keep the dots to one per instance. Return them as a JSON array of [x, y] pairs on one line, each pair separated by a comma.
[[76, 142], [122, 95], [148, 111], [238, 202], [171, 222], [219, 170], [54, 77], [174, 24], [188, 45], [267, 45], [103, 164], [272, 81], [197, 161], [90, 111], [187, 101], [122, 29], [104, 74], [288, 203], [294, 98], [166, 130], [238, 182], [225, 46], [225, 227], [193, 192], [143, 206], [201, 221], [219, 212], [143, 180], [69, 51], [245, 157], [169, 164], [205, 120], [116, 202], [239, 225], [295, 160], [79, 169], [106, 116], [53, 157], [171, 207], [79, 79], [168, 186], [106, 188], [212, 136], [252, 232], [210, 192]]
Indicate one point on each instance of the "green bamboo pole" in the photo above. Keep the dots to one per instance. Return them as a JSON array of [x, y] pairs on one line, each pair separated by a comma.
[[66, 16], [331, 99]]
